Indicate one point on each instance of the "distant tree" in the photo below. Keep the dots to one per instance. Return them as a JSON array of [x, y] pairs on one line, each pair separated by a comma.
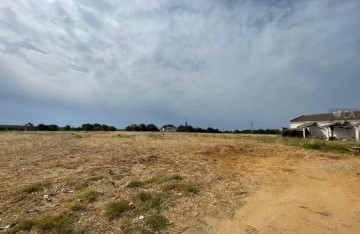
[[53, 127], [67, 128], [183, 128], [104, 127], [97, 127], [112, 128], [87, 127], [41, 127], [152, 128], [168, 126]]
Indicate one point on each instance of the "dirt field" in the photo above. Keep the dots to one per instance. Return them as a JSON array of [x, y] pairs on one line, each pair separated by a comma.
[[181, 183]]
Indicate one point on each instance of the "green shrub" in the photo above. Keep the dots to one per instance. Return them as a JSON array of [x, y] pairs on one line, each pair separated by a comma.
[[116, 209]]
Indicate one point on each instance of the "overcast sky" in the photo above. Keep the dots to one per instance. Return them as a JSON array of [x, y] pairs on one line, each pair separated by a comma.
[[218, 63]]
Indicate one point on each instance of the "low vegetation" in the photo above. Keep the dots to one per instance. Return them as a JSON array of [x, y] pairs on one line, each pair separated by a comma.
[[116, 209], [338, 147], [58, 224], [32, 188], [89, 196]]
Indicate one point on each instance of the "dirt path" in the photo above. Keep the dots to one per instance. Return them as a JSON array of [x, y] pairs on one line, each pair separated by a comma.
[[321, 197]]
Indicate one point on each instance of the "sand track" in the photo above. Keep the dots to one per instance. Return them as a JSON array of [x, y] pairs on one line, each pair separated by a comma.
[[314, 199]]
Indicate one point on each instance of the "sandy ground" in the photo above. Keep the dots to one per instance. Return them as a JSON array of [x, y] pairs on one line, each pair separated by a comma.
[[318, 196], [245, 186]]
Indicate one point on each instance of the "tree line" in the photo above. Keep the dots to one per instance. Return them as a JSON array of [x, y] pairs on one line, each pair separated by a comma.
[[132, 127], [54, 127], [188, 128]]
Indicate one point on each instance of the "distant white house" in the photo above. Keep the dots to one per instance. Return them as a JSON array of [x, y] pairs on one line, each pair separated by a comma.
[[338, 125], [168, 129]]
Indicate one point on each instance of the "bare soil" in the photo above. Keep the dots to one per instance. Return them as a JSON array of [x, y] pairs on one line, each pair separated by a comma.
[[244, 185]]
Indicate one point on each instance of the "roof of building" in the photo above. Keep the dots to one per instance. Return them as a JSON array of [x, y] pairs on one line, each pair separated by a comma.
[[335, 116]]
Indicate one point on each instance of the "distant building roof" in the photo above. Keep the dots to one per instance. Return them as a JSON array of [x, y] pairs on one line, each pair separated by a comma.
[[336, 116]]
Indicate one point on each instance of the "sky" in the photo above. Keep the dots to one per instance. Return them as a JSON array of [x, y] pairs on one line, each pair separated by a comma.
[[216, 63]]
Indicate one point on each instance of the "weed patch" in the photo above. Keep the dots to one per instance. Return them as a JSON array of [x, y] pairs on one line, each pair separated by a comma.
[[76, 206], [176, 177], [96, 178], [89, 196], [32, 188], [49, 224], [157, 222], [135, 184], [181, 187], [116, 209]]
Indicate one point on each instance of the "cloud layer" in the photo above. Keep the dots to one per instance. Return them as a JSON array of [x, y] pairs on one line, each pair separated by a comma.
[[218, 63]]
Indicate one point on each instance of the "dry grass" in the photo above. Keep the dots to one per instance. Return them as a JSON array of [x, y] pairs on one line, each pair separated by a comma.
[[173, 180]]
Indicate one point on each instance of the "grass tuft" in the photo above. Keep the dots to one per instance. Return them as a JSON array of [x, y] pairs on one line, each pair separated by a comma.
[[116, 209], [59, 224], [143, 196], [77, 206], [96, 178], [157, 222], [89, 196], [32, 188], [135, 184], [181, 187], [176, 177]]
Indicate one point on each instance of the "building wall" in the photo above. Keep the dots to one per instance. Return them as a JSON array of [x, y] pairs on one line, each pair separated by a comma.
[[319, 132], [344, 133], [323, 132]]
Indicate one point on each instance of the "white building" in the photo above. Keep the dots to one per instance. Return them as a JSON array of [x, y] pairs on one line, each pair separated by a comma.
[[338, 125]]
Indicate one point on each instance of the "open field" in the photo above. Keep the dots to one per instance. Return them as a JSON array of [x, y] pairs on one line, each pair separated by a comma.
[[118, 182]]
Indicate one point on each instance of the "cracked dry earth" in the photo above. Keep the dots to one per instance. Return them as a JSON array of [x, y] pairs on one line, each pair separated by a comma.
[[245, 186]]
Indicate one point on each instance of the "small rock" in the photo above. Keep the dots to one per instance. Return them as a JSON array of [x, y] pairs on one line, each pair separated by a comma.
[[46, 197], [141, 217], [131, 205]]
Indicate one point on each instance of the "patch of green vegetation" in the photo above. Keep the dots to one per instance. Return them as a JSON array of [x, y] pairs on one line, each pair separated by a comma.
[[155, 201], [76, 206], [337, 147], [89, 196], [176, 177], [135, 184], [58, 224], [96, 178], [143, 196], [25, 225], [314, 146], [181, 187], [116, 209], [156, 222], [81, 185], [33, 188]]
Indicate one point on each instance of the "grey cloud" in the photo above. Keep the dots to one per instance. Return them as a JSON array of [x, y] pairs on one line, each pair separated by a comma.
[[220, 63]]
